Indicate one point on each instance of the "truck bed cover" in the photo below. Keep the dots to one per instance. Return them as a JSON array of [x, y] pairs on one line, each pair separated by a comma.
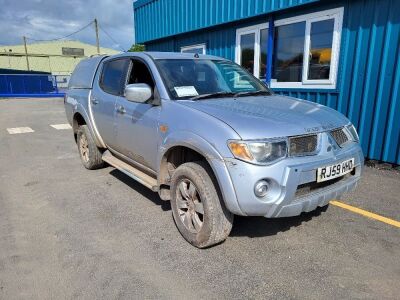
[[83, 75]]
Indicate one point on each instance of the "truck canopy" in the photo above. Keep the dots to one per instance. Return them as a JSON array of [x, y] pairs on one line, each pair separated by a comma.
[[83, 75]]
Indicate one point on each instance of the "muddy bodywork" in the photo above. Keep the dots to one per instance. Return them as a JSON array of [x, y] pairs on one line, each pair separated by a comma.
[[206, 126]]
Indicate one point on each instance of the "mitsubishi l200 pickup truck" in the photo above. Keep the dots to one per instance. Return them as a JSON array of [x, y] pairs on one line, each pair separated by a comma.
[[211, 138]]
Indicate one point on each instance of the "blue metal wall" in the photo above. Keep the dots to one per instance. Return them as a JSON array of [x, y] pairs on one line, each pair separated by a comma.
[[368, 89], [156, 19], [219, 40], [28, 85], [370, 75]]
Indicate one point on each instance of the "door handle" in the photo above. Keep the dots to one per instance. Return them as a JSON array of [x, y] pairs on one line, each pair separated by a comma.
[[95, 101], [121, 109]]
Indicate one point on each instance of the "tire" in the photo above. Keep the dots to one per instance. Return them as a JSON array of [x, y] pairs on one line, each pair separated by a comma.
[[194, 190], [89, 153]]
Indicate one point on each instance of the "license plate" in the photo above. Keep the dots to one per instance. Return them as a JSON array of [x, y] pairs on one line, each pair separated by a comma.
[[335, 171]]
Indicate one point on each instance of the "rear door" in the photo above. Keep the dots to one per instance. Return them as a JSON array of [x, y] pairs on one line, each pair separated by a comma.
[[138, 122], [104, 97]]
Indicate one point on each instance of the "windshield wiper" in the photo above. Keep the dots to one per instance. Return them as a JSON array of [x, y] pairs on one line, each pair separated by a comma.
[[230, 94], [213, 95], [252, 93]]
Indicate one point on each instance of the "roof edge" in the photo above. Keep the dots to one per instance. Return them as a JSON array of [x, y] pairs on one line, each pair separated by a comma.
[[140, 3]]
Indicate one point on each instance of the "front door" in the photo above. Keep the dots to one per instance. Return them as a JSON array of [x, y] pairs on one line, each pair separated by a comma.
[[137, 123], [104, 97]]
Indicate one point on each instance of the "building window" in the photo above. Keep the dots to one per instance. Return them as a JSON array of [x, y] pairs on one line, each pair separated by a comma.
[[306, 50], [288, 52], [247, 52], [73, 51], [263, 53], [199, 49], [251, 49], [320, 57]]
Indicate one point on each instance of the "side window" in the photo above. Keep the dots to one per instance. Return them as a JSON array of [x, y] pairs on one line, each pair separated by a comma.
[[113, 76], [140, 73]]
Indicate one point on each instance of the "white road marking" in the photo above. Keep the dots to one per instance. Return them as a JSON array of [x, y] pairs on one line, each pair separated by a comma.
[[17, 130], [61, 126]]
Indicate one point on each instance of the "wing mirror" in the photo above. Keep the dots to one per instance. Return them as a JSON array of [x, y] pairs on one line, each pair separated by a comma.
[[138, 92]]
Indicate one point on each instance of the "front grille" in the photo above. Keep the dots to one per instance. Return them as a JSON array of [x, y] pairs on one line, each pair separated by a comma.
[[303, 145], [339, 136]]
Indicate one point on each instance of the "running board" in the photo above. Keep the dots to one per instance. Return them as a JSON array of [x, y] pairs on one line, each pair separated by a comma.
[[132, 172]]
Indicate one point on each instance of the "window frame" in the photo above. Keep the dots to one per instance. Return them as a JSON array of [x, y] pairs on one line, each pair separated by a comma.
[[101, 83], [155, 93], [256, 29], [337, 15], [197, 46]]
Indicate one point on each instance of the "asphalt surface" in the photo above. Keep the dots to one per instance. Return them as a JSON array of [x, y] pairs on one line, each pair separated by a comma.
[[66, 232]]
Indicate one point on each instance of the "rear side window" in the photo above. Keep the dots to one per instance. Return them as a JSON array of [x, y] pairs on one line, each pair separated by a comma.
[[113, 76]]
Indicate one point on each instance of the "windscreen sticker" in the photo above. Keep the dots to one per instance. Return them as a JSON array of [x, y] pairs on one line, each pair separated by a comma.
[[185, 91]]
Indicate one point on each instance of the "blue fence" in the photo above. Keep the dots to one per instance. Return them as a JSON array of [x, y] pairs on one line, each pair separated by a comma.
[[32, 85]]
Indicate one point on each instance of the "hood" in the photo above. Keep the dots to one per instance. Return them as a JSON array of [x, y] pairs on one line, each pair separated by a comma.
[[270, 116]]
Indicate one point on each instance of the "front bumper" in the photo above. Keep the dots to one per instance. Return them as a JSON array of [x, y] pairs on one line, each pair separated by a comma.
[[289, 177]]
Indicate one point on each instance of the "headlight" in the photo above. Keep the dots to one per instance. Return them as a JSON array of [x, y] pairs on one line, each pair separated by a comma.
[[353, 133], [262, 152]]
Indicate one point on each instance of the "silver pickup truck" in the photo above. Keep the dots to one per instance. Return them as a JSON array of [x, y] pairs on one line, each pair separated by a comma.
[[211, 138]]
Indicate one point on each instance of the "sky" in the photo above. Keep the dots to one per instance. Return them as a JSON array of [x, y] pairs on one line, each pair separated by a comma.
[[48, 19]]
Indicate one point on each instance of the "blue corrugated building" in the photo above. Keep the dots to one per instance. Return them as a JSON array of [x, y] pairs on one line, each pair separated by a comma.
[[344, 54]]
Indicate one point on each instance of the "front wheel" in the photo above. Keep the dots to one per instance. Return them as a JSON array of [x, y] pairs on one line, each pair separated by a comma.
[[198, 210]]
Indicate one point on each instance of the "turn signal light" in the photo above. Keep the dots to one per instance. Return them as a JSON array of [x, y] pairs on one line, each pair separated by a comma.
[[240, 150]]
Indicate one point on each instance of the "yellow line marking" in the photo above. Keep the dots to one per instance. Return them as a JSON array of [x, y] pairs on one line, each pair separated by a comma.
[[366, 213]]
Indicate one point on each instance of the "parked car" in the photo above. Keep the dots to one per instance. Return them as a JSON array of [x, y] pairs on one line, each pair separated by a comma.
[[211, 138]]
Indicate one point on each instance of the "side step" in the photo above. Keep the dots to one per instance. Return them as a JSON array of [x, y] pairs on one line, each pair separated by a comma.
[[132, 172]]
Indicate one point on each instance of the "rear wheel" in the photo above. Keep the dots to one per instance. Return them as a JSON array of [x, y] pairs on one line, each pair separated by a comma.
[[88, 151], [198, 210]]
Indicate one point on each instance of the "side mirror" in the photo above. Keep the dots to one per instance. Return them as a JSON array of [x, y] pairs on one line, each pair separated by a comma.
[[138, 92]]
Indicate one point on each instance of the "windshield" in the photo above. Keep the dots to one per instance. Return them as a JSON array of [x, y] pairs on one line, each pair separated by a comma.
[[206, 78]]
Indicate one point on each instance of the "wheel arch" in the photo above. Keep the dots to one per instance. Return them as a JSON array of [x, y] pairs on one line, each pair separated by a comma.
[[77, 120], [195, 148], [80, 117]]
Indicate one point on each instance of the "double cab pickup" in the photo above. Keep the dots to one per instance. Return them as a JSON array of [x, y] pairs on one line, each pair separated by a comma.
[[211, 138]]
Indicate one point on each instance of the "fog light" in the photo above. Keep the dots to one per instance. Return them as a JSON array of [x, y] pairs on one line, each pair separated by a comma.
[[261, 188]]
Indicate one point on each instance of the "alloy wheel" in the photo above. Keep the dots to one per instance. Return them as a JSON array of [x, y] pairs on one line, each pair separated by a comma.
[[189, 205], [84, 148]]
